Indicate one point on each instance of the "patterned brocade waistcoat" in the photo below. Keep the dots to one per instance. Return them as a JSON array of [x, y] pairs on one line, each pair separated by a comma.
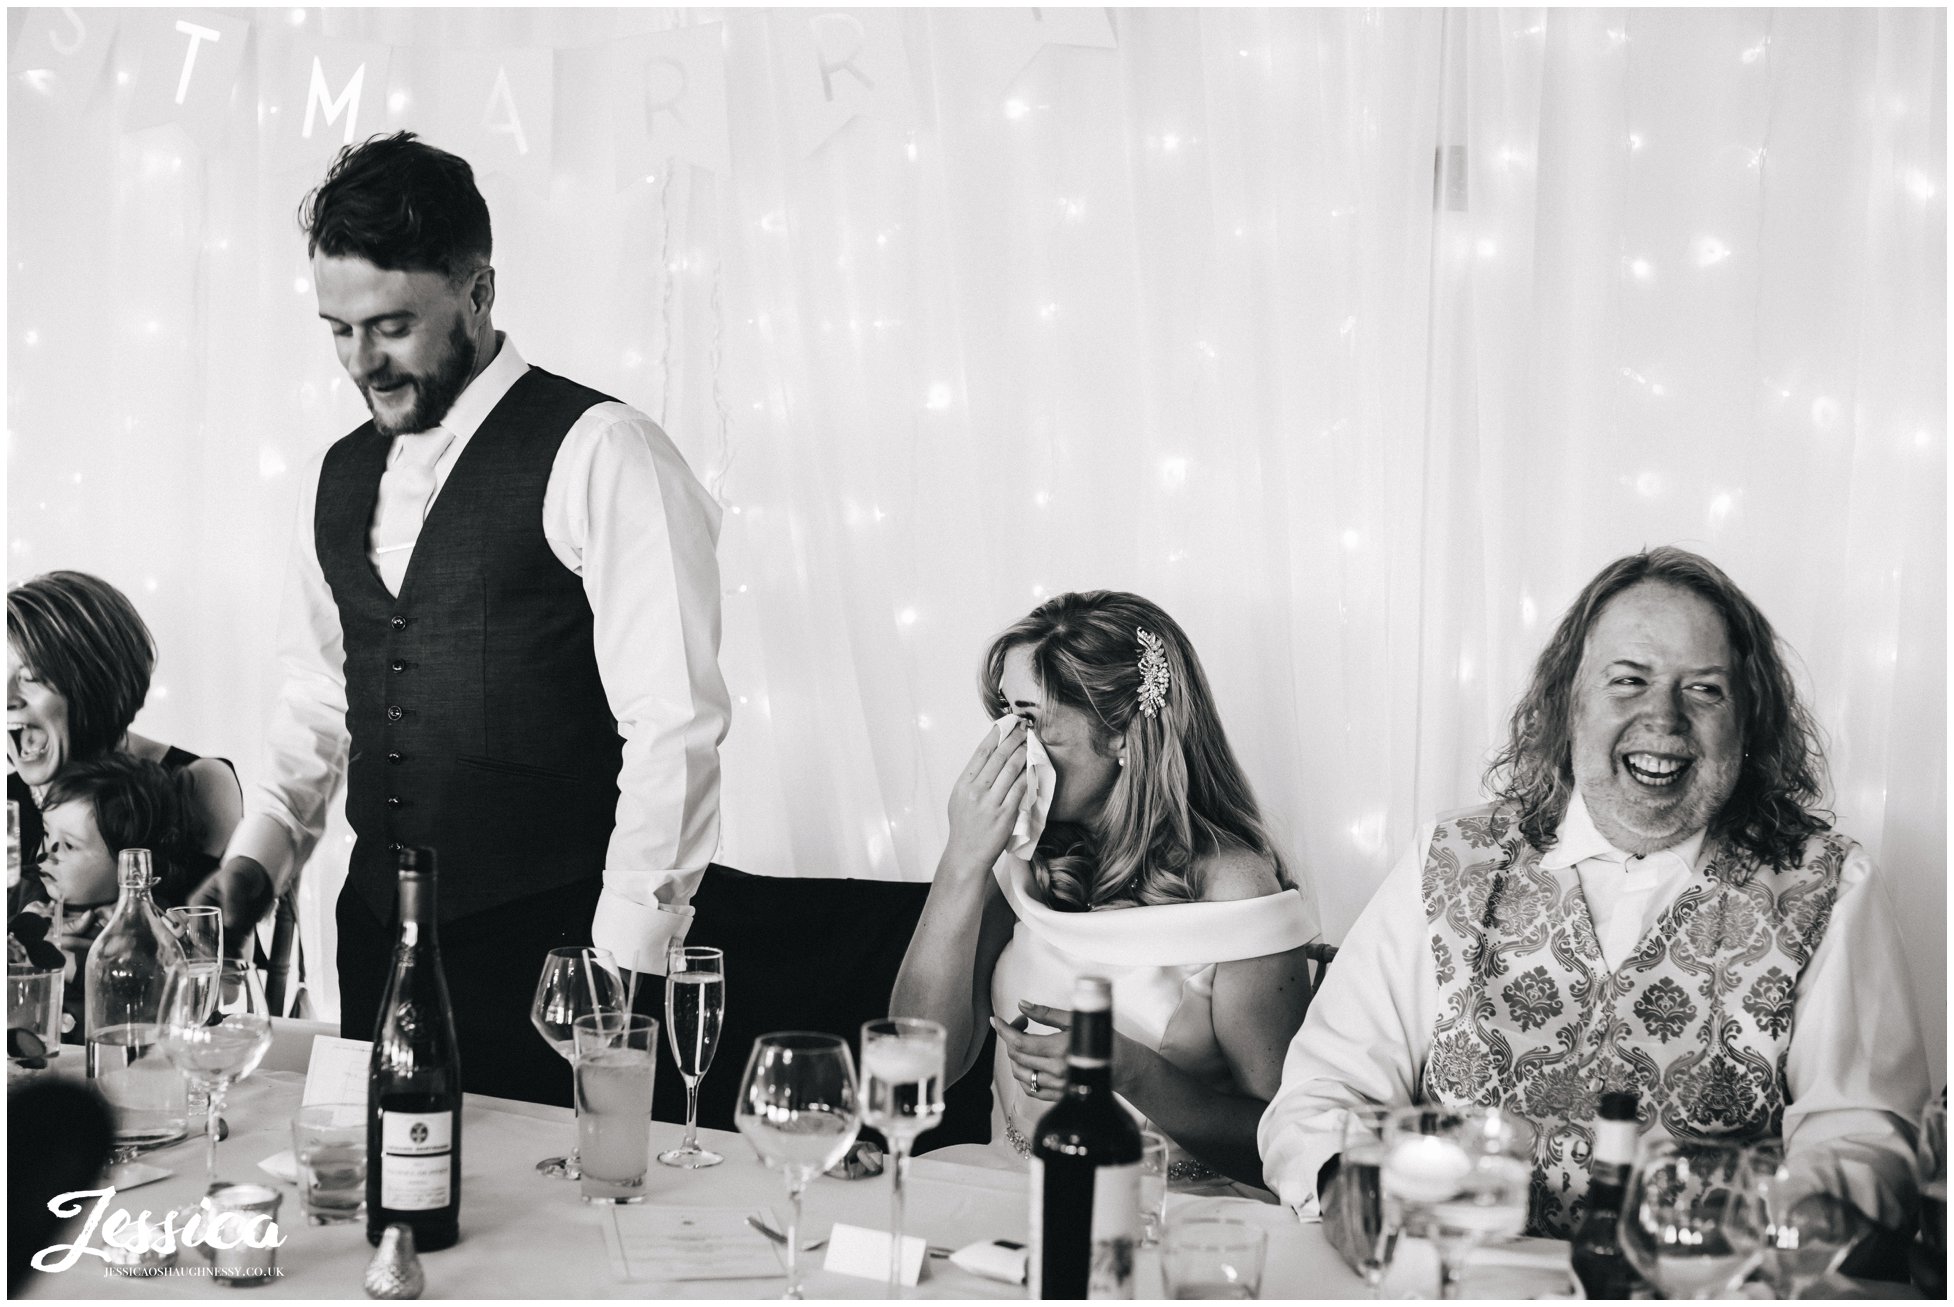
[[1697, 1020]]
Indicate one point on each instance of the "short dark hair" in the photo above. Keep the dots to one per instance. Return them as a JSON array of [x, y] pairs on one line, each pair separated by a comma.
[[399, 203], [1774, 808], [138, 804], [83, 638]]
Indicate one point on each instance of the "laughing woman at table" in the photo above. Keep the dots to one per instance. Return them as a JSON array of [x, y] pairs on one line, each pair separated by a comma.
[[1103, 827]]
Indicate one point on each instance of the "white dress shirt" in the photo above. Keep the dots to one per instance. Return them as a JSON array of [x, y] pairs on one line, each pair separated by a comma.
[[624, 512], [1855, 1071]]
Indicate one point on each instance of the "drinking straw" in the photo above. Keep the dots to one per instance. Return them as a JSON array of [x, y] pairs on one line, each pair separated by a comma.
[[590, 984]]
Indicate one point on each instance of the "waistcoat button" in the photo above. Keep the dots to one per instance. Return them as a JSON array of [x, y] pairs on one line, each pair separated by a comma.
[[394, 712], [393, 758], [393, 800], [399, 623], [397, 666]]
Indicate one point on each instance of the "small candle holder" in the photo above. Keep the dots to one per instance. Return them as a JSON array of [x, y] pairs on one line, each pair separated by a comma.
[[244, 1216]]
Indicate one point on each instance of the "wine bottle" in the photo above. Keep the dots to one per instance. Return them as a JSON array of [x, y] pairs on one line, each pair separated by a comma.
[[1596, 1251], [413, 1113], [1085, 1168], [122, 1004]]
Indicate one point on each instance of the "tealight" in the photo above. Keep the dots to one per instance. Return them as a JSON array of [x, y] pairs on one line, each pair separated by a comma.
[[1425, 1169]]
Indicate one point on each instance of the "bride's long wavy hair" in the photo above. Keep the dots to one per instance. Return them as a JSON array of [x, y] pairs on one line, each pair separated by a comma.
[[1181, 796]]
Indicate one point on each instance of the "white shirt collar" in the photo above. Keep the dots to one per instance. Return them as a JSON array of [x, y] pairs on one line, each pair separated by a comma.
[[1577, 840], [480, 396]]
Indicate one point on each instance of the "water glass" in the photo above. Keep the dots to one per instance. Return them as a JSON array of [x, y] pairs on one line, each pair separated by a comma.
[[215, 1028], [695, 1007], [616, 1053], [1154, 1154], [329, 1143], [201, 932], [34, 1005], [1369, 1219], [1691, 1222], [1213, 1257]]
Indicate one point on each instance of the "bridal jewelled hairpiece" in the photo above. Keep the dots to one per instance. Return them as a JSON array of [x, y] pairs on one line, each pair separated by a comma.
[[1154, 679]]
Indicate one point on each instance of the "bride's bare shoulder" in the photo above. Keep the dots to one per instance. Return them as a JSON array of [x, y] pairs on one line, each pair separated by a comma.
[[1235, 873]]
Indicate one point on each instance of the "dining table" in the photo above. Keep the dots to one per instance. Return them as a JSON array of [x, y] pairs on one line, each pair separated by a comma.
[[528, 1235]]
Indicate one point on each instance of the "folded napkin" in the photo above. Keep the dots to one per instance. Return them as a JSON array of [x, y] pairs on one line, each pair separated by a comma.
[[281, 1166], [1037, 800]]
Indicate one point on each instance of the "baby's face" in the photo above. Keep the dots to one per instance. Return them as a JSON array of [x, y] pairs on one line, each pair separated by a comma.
[[78, 865]]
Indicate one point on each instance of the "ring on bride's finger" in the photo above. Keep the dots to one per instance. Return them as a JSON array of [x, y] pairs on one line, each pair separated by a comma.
[[1034, 1080]]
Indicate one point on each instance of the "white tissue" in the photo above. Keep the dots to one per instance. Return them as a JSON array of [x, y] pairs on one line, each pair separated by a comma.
[[1037, 800]]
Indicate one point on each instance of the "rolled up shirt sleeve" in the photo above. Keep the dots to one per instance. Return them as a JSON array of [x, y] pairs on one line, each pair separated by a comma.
[[624, 512], [1365, 1038], [1856, 1072], [304, 757]]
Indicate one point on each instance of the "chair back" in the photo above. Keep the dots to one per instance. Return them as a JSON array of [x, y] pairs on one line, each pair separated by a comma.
[[1319, 956]]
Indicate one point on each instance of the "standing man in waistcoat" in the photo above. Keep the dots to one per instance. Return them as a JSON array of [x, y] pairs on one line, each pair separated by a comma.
[[1654, 902], [501, 626]]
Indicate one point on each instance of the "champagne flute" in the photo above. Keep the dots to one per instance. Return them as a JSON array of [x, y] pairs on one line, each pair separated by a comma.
[[902, 1096], [1807, 1232], [695, 1004], [575, 982], [798, 1108], [215, 1034], [1459, 1177], [201, 932], [1368, 1217], [1689, 1223]]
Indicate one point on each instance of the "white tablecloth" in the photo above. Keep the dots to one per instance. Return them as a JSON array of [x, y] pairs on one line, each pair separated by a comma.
[[528, 1236]]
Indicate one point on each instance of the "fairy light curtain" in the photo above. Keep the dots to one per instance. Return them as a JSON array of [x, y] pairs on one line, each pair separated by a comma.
[[1358, 339]]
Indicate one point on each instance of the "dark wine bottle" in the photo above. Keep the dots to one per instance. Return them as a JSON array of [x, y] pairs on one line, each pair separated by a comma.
[[1596, 1251], [1085, 1168], [413, 1110]]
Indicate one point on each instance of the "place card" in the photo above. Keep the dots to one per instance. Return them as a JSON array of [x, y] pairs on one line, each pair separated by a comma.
[[691, 1243], [337, 1072], [856, 1250]]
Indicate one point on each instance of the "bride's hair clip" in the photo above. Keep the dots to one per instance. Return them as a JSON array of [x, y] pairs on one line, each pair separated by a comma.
[[1154, 678]]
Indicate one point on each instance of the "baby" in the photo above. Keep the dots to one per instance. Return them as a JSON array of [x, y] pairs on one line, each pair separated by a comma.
[[91, 812]]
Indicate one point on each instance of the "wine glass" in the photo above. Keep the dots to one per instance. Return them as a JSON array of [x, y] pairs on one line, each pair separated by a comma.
[[1459, 1177], [1691, 1222], [216, 1027], [1368, 1217], [1807, 1231], [201, 932], [902, 1096], [695, 1004], [798, 1108], [575, 982]]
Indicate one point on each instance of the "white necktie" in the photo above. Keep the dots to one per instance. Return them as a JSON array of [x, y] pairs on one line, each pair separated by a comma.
[[406, 487]]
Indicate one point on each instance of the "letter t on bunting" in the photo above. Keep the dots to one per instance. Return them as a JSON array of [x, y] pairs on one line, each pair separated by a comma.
[[837, 63], [187, 64], [668, 102]]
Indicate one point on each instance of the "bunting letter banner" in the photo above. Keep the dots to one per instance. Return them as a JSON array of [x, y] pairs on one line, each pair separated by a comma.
[[62, 51], [1025, 32], [841, 62], [332, 94], [187, 62], [498, 111], [668, 101]]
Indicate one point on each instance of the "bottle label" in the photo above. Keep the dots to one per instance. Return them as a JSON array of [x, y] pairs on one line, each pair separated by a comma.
[[1115, 1230], [416, 1156]]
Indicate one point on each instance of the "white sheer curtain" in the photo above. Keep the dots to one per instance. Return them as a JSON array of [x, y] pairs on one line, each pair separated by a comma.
[[1358, 339]]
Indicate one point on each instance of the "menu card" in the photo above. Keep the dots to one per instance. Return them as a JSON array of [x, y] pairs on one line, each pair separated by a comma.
[[692, 1243]]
